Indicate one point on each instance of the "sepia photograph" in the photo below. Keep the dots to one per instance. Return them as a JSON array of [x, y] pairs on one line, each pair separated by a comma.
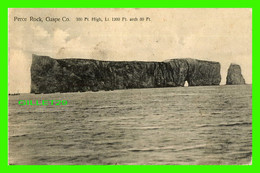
[[130, 86]]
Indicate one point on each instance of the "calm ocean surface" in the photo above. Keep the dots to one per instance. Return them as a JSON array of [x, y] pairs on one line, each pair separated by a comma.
[[183, 125]]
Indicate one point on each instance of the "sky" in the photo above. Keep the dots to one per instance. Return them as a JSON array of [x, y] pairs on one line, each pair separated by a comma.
[[222, 35]]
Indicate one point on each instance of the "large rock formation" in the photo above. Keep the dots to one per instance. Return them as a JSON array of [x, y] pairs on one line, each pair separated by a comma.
[[234, 76], [50, 75]]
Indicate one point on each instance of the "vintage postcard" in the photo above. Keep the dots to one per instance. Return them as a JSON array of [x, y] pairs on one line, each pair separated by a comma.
[[104, 86]]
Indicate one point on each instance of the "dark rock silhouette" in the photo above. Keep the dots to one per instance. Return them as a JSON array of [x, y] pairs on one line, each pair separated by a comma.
[[50, 75], [234, 75]]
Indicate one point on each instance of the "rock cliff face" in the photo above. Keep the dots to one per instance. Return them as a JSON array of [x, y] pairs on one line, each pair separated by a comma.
[[234, 76], [50, 75]]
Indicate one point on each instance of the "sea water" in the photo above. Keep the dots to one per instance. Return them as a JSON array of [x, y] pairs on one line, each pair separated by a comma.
[[155, 126]]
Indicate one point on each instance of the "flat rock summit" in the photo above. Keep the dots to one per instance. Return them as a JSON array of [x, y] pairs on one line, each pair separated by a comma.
[[50, 75]]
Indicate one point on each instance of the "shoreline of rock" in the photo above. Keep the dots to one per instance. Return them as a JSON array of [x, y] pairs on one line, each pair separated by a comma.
[[49, 75]]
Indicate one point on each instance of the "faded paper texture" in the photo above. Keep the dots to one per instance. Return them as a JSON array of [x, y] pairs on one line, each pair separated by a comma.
[[144, 59]]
